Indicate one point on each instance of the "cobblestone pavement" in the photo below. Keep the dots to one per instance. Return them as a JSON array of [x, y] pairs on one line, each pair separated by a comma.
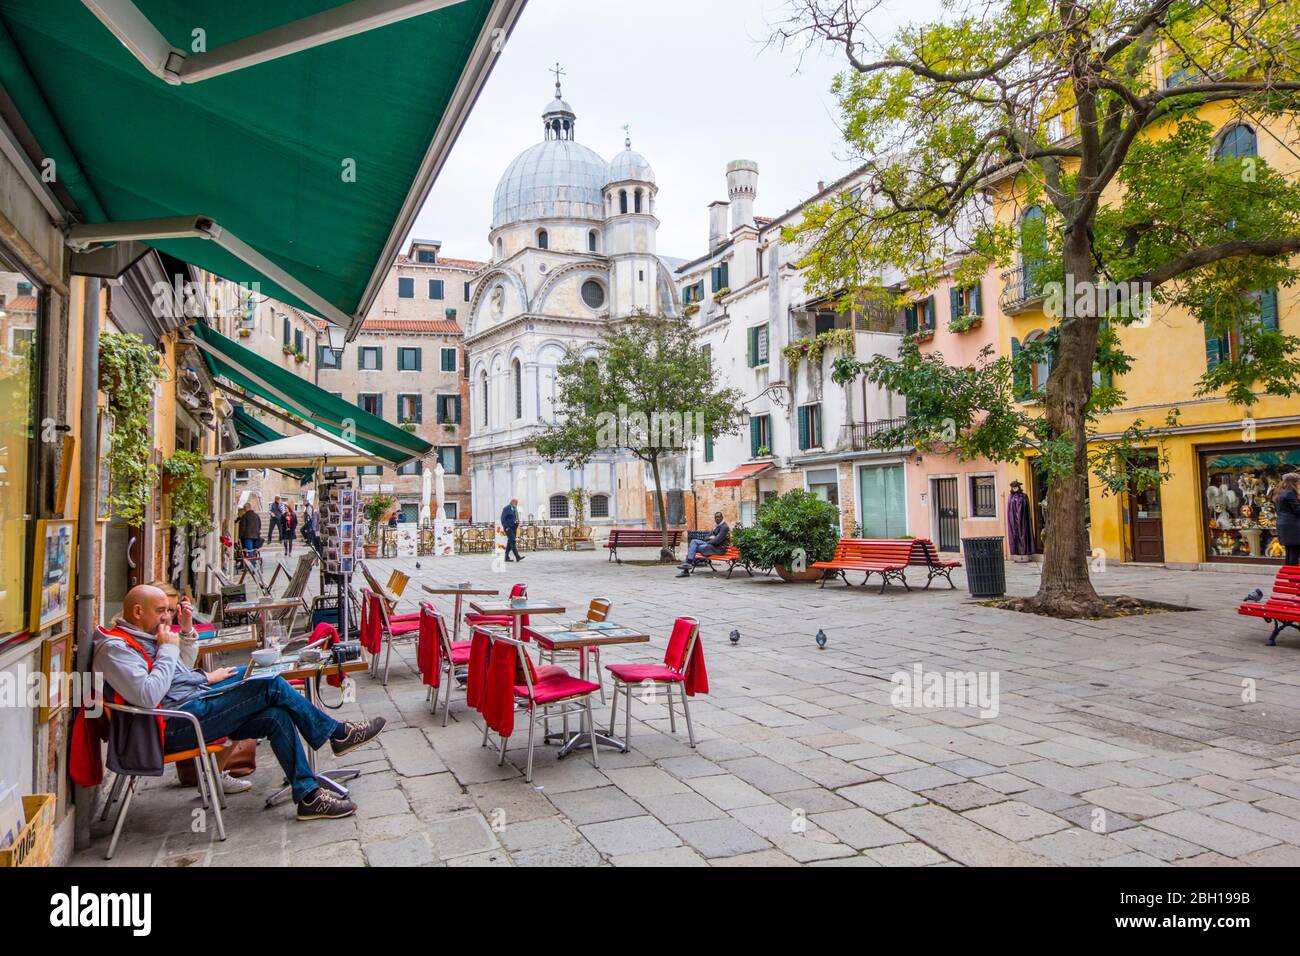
[[1130, 741]]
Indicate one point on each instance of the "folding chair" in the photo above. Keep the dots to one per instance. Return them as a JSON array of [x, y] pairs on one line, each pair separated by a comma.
[[568, 694], [374, 611], [676, 671], [205, 765], [453, 655]]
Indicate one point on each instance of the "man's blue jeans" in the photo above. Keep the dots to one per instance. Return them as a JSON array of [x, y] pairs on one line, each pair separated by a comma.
[[256, 708], [693, 551], [249, 546]]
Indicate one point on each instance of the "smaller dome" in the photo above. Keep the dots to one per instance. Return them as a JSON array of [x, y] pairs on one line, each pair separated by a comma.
[[630, 165], [558, 106]]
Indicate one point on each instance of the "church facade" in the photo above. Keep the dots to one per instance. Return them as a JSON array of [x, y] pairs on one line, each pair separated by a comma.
[[573, 248]]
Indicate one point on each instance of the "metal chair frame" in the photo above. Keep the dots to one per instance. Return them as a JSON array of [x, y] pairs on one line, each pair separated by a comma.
[[668, 687]]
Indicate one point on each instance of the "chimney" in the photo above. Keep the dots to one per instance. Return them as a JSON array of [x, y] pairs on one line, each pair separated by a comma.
[[742, 186], [717, 224]]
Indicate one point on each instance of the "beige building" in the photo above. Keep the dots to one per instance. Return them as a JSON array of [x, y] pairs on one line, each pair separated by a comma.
[[407, 365]]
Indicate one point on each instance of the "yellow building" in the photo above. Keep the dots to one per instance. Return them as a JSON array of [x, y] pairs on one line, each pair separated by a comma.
[[1223, 458]]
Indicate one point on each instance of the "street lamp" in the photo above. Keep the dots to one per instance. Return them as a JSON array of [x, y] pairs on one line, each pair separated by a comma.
[[338, 336]]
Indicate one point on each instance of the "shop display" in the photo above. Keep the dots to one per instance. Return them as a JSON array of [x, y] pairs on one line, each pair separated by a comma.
[[1240, 517]]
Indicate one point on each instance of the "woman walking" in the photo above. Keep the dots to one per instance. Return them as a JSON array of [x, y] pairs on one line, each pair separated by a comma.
[[290, 528], [1287, 501]]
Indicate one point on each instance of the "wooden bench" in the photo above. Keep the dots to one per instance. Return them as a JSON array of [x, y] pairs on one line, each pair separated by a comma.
[[731, 557], [888, 557], [641, 538], [1282, 609], [926, 555]]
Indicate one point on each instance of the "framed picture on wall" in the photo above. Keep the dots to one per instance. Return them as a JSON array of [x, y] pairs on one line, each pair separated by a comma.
[[54, 668], [52, 578]]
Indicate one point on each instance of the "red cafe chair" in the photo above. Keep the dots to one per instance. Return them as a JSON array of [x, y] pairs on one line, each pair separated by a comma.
[[683, 668]]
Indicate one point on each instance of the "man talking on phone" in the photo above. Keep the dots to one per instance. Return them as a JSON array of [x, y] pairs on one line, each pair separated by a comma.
[[140, 658]]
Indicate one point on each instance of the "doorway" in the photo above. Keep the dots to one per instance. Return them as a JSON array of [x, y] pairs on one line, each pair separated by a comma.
[[1147, 524], [948, 518]]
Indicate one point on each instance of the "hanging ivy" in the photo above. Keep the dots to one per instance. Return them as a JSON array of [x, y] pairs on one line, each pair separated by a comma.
[[191, 492], [129, 371]]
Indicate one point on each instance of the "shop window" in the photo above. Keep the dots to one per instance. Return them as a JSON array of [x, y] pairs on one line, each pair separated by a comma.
[[1240, 516], [19, 357]]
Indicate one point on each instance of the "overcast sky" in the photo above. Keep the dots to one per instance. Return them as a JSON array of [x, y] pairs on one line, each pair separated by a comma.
[[692, 78]]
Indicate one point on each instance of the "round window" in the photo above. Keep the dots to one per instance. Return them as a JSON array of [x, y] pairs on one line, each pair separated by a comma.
[[593, 293]]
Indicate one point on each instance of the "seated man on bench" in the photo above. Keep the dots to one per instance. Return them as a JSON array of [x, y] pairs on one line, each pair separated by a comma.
[[139, 657], [716, 543]]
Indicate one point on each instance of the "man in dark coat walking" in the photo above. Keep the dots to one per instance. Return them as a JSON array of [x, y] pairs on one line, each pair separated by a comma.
[[510, 524]]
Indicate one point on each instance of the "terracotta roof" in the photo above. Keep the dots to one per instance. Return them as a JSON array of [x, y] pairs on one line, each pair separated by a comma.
[[470, 264], [445, 326], [21, 303], [763, 220]]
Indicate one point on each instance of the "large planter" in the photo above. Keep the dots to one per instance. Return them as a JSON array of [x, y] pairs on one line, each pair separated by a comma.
[[371, 550], [794, 577]]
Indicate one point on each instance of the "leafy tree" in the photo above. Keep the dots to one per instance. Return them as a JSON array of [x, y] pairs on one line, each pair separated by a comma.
[[793, 530], [1067, 136], [649, 390]]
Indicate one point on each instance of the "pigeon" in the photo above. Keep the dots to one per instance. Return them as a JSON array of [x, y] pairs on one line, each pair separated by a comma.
[[1255, 596], [417, 565], [735, 636], [821, 639]]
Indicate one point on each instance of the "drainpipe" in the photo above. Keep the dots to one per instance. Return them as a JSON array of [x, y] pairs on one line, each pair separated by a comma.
[[84, 797]]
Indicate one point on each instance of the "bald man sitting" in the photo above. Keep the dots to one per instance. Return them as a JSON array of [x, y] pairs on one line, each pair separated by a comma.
[[139, 657]]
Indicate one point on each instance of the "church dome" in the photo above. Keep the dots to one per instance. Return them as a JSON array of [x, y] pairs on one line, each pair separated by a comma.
[[630, 165], [554, 179]]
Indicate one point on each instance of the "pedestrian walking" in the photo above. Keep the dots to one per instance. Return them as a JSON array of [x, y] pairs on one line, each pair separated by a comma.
[[289, 529], [277, 519], [1287, 501], [510, 524]]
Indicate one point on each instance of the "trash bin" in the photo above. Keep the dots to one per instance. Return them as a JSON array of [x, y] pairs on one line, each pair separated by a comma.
[[986, 573]]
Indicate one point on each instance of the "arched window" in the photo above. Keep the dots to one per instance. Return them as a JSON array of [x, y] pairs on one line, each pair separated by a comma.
[[543, 240], [1236, 142], [638, 200], [599, 506], [559, 506], [622, 200], [483, 397], [591, 241], [517, 379]]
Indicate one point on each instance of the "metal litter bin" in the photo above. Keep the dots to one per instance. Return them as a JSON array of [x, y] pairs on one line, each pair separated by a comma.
[[986, 571]]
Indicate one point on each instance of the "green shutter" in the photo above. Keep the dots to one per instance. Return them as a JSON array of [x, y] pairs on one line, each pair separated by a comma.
[[456, 399], [1268, 310], [419, 360], [910, 317], [724, 273], [753, 346], [1216, 348], [821, 439], [954, 303], [977, 308], [929, 312], [419, 409], [804, 442], [457, 471], [1020, 375], [708, 446], [754, 437]]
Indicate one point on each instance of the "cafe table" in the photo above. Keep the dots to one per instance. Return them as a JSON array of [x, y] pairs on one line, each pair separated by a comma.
[[578, 636], [515, 609], [260, 611], [291, 668], [231, 639], [459, 591]]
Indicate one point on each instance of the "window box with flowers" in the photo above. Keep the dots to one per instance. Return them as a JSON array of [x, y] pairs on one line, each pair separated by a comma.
[[691, 310], [721, 294], [965, 308]]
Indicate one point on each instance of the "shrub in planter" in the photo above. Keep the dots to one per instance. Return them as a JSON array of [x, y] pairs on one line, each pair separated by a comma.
[[797, 523]]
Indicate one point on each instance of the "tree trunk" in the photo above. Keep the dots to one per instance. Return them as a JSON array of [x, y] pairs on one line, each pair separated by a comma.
[[661, 510], [1066, 589]]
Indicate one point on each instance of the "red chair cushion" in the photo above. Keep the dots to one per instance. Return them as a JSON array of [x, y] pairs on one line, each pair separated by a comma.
[[405, 627], [404, 617], [557, 687], [636, 673], [502, 619], [460, 652], [551, 670]]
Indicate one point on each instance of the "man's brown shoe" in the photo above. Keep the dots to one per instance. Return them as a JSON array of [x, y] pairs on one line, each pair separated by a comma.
[[357, 733], [321, 804]]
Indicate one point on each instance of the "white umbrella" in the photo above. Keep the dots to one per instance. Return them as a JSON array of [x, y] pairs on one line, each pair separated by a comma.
[[440, 489], [426, 493]]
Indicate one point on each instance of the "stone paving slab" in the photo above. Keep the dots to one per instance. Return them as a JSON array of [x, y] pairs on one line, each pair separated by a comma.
[[1122, 742]]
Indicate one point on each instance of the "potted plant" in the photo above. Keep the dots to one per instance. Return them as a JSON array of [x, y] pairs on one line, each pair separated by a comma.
[[764, 452], [578, 498], [286, 349], [191, 493], [245, 333], [790, 533], [374, 511], [407, 426]]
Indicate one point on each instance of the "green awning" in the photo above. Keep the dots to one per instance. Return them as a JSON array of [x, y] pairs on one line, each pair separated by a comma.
[[253, 432], [317, 160], [262, 377]]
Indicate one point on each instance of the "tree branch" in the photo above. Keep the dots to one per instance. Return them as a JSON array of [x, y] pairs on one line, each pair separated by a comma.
[[1224, 250]]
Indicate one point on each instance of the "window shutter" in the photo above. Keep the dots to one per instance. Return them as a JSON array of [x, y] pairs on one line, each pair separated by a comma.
[[803, 428], [419, 360], [817, 412], [910, 317], [753, 346], [708, 446], [762, 349], [755, 430], [1020, 376], [1268, 310], [361, 358], [457, 460], [419, 409], [978, 307], [929, 312], [1216, 349], [954, 303], [724, 272], [456, 406]]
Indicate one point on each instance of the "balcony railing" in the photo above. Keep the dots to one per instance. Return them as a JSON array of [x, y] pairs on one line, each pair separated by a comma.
[[863, 433], [1020, 290]]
